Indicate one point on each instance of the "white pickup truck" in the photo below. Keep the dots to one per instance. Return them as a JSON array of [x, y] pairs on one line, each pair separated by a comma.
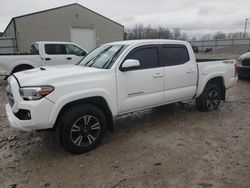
[[80, 101], [41, 53]]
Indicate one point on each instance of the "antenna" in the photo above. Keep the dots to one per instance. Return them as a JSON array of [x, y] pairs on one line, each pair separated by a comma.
[[76, 13]]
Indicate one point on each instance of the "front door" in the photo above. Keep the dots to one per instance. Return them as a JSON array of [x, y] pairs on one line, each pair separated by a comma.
[[74, 54], [143, 87], [55, 54]]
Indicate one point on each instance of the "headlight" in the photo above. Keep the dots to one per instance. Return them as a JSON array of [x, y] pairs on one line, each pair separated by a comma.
[[35, 93]]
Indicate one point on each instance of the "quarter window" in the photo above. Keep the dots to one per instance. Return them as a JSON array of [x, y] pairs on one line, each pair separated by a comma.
[[175, 55], [148, 57]]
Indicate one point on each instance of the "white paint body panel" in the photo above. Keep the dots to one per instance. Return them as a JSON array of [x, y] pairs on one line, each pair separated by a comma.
[[140, 88], [123, 91]]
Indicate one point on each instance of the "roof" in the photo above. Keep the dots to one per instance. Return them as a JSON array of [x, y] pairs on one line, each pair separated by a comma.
[[77, 4], [53, 42], [148, 41]]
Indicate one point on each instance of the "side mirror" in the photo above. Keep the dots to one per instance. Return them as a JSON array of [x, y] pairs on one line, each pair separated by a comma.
[[130, 64]]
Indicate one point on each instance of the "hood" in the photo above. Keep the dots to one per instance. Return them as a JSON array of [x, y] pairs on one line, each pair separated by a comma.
[[48, 75]]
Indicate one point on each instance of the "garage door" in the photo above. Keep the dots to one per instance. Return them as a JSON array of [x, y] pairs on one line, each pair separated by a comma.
[[83, 37]]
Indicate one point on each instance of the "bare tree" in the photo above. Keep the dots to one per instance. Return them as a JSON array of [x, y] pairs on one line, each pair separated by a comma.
[[141, 32], [176, 33], [193, 39], [164, 33], [206, 37], [236, 35], [219, 35]]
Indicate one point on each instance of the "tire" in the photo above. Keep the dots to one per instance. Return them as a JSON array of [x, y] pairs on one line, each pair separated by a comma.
[[81, 128], [210, 98], [240, 77]]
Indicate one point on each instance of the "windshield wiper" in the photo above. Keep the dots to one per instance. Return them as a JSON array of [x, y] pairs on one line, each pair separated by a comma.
[[111, 61], [95, 58]]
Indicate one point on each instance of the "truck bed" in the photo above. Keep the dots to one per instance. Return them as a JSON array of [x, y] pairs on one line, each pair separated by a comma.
[[206, 60], [11, 54]]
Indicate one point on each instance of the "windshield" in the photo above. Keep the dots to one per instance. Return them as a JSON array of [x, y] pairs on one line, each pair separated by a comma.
[[103, 57]]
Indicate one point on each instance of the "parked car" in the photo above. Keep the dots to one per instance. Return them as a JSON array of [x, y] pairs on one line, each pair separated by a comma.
[[42, 53], [244, 65], [80, 101]]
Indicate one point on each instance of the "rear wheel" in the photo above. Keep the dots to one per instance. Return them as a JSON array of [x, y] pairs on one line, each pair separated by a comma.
[[210, 98], [81, 128]]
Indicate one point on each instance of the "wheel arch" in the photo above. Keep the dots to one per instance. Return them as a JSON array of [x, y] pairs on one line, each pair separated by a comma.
[[18, 67], [219, 80], [98, 101]]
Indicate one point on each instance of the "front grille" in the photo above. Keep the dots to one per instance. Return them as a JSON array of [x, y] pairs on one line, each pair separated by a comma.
[[10, 95], [245, 62]]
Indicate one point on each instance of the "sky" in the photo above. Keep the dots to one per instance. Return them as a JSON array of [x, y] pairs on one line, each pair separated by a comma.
[[194, 17]]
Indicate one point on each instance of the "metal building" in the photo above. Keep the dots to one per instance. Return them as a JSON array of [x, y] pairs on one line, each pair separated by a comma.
[[71, 23]]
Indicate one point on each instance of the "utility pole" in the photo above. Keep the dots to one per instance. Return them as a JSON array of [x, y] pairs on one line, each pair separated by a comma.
[[245, 29]]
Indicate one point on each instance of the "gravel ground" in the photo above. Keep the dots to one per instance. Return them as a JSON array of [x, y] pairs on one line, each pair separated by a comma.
[[170, 146]]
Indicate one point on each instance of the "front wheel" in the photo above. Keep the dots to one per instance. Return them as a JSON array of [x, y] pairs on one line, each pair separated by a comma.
[[81, 128], [210, 98]]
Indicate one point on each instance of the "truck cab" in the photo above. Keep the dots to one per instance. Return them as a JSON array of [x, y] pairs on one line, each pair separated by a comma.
[[59, 53], [44, 53]]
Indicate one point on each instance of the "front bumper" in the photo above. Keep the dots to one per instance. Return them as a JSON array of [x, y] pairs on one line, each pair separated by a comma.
[[25, 125], [39, 112]]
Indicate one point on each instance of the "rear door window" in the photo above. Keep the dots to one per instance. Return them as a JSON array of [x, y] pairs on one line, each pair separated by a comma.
[[175, 55], [55, 49]]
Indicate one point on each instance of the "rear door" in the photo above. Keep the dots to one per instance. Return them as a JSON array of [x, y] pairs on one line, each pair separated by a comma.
[[55, 54], [180, 73], [143, 87]]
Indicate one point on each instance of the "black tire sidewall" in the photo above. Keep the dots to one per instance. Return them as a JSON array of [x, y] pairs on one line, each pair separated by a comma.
[[69, 118], [202, 100]]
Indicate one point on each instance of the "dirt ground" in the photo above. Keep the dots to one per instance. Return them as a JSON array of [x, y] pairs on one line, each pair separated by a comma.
[[172, 146]]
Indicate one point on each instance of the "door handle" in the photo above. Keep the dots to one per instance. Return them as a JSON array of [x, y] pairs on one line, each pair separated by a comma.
[[190, 71], [47, 59], [69, 58], [158, 75]]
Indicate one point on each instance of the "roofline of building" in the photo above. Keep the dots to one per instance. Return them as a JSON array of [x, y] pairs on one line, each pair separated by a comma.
[[60, 8]]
